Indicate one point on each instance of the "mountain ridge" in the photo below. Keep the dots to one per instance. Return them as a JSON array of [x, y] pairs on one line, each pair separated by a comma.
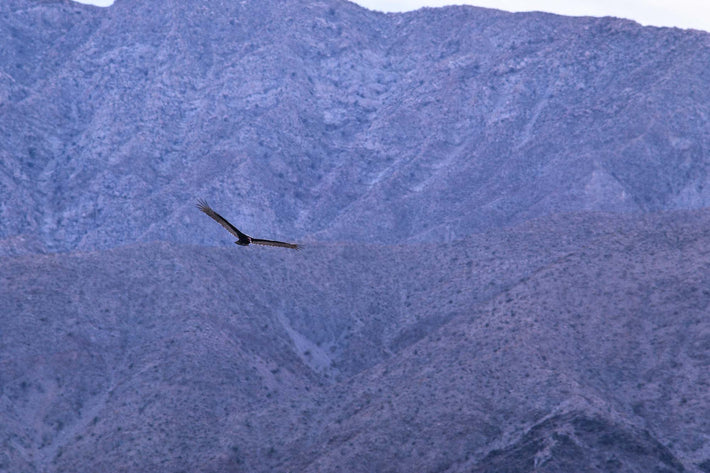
[[355, 117], [437, 349], [504, 221]]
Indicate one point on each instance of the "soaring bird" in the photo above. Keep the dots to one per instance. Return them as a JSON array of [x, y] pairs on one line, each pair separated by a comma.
[[244, 239]]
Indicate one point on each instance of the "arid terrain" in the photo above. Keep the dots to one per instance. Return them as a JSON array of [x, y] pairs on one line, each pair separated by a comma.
[[504, 221]]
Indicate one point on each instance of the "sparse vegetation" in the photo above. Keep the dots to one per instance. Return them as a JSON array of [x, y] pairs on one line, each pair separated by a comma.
[[502, 268]]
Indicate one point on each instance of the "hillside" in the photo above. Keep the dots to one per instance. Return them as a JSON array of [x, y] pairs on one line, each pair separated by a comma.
[[504, 218], [576, 343], [323, 118]]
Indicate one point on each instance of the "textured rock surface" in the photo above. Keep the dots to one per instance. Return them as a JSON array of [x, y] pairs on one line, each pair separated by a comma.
[[300, 117], [573, 344], [506, 261]]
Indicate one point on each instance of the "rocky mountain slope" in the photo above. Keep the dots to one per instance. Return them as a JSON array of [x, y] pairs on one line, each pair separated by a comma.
[[481, 355], [505, 232], [307, 117]]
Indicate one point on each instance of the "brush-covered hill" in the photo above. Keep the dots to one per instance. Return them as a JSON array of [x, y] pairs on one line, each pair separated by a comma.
[[576, 344], [504, 224], [324, 118]]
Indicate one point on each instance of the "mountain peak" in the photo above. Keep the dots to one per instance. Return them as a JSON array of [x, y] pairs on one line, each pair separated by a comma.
[[332, 119]]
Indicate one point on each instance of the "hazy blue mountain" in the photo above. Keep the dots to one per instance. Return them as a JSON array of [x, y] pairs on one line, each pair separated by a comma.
[[505, 225], [299, 117], [576, 344]]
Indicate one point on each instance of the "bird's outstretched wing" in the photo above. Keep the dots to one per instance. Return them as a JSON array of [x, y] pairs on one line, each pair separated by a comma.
[[202, 205], [244, 239], [283, 244]]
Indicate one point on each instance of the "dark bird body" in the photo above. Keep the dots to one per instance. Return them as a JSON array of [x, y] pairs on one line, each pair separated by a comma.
[[244, 239]]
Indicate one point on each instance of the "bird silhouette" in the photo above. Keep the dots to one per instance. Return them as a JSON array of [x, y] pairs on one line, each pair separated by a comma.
[[244, 239]]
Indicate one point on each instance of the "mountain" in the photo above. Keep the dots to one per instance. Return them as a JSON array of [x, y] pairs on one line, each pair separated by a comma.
[[576, 344], [504, 219], [324, 118]]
